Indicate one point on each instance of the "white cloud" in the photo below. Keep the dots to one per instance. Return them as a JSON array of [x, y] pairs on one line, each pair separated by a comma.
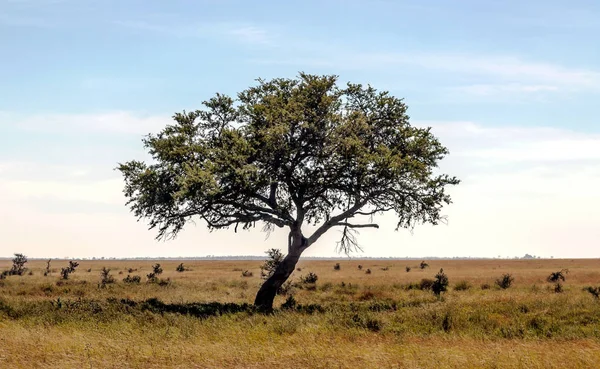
[[111, 122], [493, 73]]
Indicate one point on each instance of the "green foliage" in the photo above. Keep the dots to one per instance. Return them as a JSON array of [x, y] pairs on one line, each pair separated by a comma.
[[274, 258], [505, 281], [440, 283], [290, 152]]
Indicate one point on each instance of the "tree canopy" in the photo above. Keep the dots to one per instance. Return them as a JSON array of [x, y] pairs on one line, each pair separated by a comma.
[[287, 153]]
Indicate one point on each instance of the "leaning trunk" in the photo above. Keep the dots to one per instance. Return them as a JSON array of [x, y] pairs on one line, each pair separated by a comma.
[[266, 293]]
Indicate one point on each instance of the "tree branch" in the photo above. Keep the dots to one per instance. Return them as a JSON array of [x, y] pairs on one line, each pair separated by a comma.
[[357, 225]]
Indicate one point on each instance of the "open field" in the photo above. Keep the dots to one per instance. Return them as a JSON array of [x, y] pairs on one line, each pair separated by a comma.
[[349, 320]]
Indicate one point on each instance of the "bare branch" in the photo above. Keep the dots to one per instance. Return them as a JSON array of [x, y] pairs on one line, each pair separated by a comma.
[[357, 225], [348, 242]]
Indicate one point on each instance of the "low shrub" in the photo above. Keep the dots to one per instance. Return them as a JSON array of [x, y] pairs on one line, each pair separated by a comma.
[[595, 291], [65, 272], [426, 284], [462, 286], [505, 281], [310, 278], [136, 279], [105, 277]]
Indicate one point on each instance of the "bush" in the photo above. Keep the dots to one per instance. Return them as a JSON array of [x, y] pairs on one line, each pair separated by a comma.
[[368, 271], [105, 277], [153, 275], [385, 269], [247, 273], [505, 281], [18, 267], [426, 284], [360, 267], [275, 257], [337, 266], [290, 303], [423, 265], [310, 278], [136, 279], [462, 286], [595, 291], [180, 268], [65, 272], [164, 282], [47, 271], [408, 269], [485, 286], [558, 288], [558, 276], [440, 283]]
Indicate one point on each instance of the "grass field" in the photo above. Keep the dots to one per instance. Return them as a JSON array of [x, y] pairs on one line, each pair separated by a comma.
[[348, 319]]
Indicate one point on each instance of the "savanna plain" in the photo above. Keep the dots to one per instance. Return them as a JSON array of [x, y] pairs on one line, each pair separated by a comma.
[[202, 317]]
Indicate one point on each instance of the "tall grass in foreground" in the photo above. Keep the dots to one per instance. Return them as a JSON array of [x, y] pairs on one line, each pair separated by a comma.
[[202, 318]]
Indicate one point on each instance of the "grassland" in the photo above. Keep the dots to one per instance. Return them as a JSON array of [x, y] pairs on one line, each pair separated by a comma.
[[350, 319]]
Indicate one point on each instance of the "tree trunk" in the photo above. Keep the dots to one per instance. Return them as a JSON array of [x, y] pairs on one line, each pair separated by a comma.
[[267, 292]]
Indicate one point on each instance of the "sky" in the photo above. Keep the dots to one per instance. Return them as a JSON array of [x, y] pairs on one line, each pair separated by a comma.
[[510, 87]]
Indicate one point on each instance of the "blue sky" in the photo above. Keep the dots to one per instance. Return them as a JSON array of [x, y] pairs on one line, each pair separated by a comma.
[[510, 86]]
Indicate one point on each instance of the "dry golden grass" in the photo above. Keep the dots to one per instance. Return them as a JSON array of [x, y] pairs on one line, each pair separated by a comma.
[[369, 321]]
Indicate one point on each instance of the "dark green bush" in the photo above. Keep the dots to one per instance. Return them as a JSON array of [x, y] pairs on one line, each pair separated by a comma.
[[440, 283]]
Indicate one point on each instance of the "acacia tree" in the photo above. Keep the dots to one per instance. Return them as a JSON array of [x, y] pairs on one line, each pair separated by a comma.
[[289, 153]]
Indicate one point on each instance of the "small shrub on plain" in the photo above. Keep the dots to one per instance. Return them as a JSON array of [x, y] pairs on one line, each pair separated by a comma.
[[505, 281]]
